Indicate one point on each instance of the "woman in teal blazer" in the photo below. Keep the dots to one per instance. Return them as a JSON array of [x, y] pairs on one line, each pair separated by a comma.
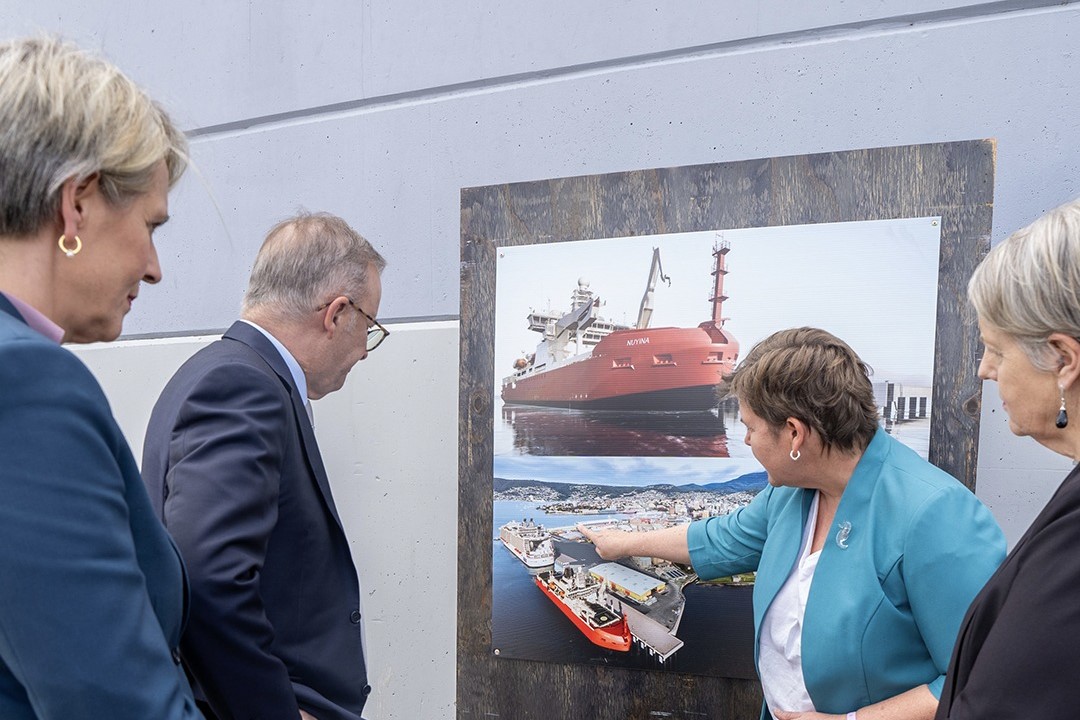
[[91, 588], [866, 555]]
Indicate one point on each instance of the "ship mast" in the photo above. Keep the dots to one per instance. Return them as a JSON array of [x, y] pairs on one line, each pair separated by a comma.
[[720, 251]]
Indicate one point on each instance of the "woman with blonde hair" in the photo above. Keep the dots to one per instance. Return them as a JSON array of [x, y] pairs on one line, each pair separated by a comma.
[[1019, 650], [92, 592], [866, 554]]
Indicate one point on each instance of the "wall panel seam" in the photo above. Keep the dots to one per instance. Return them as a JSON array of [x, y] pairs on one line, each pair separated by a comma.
[[914, 22]]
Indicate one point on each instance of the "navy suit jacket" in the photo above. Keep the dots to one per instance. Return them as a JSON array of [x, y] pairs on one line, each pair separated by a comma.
[[91, 588], [234, 471]]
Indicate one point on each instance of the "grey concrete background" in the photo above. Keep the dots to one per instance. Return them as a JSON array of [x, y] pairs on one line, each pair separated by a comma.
[[393, 469], [381, 111]]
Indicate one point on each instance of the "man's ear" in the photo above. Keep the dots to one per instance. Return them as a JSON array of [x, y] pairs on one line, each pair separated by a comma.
[[332, 316]]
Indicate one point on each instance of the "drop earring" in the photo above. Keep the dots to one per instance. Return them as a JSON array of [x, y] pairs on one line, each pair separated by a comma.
[[1063, 416]]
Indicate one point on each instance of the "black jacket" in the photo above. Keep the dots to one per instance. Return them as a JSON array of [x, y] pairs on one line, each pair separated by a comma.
[[1018, 652]]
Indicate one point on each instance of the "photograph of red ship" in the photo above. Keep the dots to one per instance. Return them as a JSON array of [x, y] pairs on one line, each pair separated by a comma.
[[606, 411], [586, 362]]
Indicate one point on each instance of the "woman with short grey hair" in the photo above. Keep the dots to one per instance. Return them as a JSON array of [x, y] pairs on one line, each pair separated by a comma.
[[1018, 653], [92, 591]]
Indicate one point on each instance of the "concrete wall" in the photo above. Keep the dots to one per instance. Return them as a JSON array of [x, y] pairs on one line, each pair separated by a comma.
[[381, 111], [392, 463]]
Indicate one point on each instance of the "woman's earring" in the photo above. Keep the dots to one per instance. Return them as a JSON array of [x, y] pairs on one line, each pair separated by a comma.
[[1063, 417], [794, 454], [70, 251]]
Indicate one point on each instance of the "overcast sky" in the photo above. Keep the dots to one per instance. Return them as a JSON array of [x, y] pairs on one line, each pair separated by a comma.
[[874, 284]]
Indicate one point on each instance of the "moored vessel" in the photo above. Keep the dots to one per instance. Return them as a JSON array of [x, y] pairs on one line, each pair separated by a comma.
[[581, 604], [587, 362], [529, 543]]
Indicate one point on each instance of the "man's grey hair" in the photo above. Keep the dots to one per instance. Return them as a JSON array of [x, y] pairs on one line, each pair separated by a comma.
[[1028, 286], [306, 261], [67, 114]]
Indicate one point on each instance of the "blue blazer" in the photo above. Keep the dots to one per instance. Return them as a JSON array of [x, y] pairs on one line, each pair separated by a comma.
[[233, 469], [888, 595], [91, 588]]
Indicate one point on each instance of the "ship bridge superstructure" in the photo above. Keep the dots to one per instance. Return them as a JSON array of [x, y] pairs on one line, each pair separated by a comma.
[[581, 327]]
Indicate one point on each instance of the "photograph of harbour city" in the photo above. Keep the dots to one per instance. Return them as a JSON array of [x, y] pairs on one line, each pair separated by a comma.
[[555, 600], [646, 449]]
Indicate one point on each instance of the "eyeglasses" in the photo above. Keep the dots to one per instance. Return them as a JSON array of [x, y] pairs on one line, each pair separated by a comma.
[[375, 335]]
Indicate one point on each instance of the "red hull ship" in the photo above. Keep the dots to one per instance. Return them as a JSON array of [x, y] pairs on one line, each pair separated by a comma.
[[598, 623], [625, 368]]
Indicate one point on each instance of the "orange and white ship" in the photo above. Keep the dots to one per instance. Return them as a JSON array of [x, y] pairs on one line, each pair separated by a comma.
[[587, 362], [578, 597]]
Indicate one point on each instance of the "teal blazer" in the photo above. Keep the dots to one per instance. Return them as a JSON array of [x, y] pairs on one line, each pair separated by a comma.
[[91, 588], [907, 551]]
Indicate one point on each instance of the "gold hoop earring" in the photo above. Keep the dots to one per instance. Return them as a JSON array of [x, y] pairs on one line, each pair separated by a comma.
[[70, 252]]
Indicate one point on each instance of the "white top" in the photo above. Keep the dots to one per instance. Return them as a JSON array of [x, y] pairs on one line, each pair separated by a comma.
[[780, 642]]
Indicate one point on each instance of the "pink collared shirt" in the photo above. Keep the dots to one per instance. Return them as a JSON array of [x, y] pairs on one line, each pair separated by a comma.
[[36, 320]]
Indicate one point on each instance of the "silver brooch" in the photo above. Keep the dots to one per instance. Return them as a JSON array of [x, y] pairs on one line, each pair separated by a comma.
[[842, 535]]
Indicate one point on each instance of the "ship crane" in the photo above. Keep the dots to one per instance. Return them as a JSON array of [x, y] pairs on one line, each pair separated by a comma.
[[655, 272]]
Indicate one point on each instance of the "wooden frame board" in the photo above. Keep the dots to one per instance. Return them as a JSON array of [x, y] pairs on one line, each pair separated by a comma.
[[953, 181]]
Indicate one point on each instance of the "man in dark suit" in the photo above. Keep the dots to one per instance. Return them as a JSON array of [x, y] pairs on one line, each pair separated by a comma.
[[235, 473]]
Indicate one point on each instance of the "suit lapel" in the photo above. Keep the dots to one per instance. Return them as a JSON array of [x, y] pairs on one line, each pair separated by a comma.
[[242, 332], [311, 450], [7, 307]]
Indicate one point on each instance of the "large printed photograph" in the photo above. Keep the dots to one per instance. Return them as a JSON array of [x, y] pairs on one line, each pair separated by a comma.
[[609, 411]]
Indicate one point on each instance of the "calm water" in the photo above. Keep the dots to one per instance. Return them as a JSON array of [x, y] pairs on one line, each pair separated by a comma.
[[521, 430], [717, 625]]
